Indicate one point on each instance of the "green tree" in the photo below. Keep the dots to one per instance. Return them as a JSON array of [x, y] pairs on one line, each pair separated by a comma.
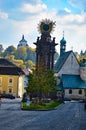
[[10, 50], [42, 83], [31, 55], [21, 53], [50, 81], [10, 57], [29, 64]]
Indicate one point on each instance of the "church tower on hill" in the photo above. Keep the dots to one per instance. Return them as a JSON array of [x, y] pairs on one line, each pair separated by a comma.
[[22, 42]]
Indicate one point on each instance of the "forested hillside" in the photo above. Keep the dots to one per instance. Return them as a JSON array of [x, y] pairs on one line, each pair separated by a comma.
[[23, 57]]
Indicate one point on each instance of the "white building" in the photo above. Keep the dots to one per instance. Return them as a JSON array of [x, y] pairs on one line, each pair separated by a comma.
[[70, 74], [22, 42]]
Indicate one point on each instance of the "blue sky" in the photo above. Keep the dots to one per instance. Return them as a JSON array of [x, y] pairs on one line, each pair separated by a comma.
[[19, 17]]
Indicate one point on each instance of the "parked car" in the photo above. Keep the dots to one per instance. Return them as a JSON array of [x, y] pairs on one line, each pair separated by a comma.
[[9, 96], [82, 101], [67, 99]]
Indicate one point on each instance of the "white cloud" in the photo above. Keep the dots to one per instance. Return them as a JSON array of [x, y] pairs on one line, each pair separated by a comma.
[[73, 19], [74, 31], [74, 36], [3, 15], [29, 8], [73, 25], [67, 10]]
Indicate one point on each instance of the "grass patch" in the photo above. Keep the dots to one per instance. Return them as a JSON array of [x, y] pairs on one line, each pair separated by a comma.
[[43, 106]]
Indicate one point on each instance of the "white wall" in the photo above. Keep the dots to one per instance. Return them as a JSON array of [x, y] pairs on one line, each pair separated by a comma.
[[21, 86], [71, 66], [75, 94]]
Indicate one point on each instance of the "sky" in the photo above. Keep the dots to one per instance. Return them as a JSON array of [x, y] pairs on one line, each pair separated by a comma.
[[21, 17]]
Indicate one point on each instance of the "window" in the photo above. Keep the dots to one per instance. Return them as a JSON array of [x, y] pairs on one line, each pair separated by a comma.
[[10, 90], [80, 91], [10, 80], [70, 91]]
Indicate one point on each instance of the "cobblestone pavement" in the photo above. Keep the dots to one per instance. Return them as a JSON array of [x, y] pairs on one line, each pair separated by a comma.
[[69, 116]]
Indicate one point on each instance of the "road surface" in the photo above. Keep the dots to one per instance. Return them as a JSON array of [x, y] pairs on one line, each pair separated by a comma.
[[69, 116]]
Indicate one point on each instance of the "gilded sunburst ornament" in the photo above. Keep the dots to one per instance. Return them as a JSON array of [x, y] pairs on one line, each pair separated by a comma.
[[46, 25]]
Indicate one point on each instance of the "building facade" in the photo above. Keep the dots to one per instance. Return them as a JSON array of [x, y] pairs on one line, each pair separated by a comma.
[[11, 79], [71, 76]]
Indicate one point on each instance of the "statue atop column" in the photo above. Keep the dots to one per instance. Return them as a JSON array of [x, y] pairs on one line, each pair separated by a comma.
[[45, 45]]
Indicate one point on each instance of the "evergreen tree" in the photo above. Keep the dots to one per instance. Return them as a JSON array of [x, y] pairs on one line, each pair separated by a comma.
[[41, 83]]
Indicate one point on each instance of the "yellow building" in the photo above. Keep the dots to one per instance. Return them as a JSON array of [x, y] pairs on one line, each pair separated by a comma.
[[11, 78]]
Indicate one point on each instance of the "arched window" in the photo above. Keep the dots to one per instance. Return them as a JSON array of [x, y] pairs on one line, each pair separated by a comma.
[[80, 91], [70, 91]]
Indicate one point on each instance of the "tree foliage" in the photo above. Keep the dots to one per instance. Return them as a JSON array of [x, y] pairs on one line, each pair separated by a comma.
[[23, 57], [10, 50], [29, 64], [31, 55], [42, 83], [21, 53]]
